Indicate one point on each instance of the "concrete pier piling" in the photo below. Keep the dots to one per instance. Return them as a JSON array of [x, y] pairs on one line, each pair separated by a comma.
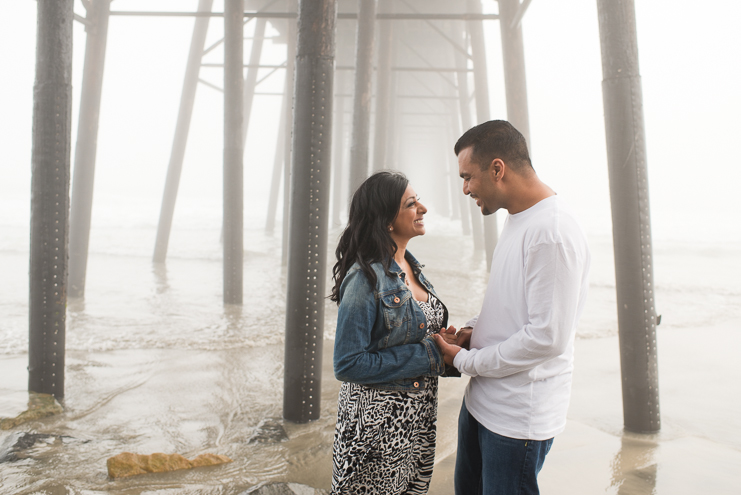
[[250, 82], [383, 89], [278, 159], [466, 122], [361, 118], [233, 151], [50, 178], [182, 129], [309, 219], [338, 162], [483, 112], [513, 58], [290, 86], [631, 219], [87, 143]]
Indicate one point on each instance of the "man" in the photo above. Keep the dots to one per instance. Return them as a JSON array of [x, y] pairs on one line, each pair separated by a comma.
[[519, 350]]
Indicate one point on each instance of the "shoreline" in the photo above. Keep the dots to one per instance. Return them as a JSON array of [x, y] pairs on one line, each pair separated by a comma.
[[696, 451]]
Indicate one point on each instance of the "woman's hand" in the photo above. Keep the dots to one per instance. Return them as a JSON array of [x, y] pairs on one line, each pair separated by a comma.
[[449, 350]]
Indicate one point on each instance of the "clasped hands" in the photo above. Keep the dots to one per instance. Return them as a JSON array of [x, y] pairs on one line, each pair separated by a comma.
[[451, 342]]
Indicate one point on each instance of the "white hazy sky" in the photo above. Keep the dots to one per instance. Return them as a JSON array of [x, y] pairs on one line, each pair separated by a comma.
[[689, 58]]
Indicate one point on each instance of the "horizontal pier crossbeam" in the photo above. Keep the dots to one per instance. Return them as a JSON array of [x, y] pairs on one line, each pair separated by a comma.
[[341, 16]]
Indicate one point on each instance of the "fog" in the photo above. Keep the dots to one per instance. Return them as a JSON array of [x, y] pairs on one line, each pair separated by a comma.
[[690, 90], [156, 362]]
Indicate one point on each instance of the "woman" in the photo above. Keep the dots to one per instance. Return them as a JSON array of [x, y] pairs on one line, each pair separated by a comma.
[[384, 351]]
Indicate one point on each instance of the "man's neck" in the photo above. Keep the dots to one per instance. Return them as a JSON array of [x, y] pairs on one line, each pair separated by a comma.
[[527, 193]]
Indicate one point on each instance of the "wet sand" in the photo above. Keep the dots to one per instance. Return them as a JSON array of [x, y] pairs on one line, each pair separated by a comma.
[[698, 450]]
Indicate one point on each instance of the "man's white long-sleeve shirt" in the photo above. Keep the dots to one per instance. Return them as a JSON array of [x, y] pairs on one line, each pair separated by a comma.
[[522, 345]]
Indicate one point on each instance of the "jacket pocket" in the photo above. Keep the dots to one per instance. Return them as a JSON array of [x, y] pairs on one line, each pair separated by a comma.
[[396, 317]]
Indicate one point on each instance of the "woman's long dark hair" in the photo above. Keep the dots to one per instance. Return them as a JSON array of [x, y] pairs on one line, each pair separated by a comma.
[[366, 238]]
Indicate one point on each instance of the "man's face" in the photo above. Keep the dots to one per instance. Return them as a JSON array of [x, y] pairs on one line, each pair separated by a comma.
[[478, 183]]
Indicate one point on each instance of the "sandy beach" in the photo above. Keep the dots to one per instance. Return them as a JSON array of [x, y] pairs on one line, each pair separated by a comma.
[[156, 363], [698, 450]]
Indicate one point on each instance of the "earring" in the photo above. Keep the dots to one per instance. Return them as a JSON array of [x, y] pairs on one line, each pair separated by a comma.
[[390, 229]]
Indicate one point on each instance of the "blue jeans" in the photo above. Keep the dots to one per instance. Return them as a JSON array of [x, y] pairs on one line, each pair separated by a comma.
[[490, 464]]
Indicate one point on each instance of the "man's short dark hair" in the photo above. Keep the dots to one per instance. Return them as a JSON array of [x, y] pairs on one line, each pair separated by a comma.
[[496, 139]]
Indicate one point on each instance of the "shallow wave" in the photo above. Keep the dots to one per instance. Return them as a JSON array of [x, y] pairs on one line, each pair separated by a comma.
[[132, 304]]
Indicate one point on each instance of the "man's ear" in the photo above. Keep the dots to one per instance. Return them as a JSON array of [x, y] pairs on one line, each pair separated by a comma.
[[496, 169]]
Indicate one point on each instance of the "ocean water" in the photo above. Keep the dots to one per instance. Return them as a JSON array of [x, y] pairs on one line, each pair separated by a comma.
[[157, 363], [132, 303]]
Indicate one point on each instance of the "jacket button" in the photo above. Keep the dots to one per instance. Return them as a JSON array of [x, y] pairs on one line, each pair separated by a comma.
[[396, 299], [421, 325], [416, 384]]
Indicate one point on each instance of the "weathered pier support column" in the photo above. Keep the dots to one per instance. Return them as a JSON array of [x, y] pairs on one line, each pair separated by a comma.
[[233, 151], [250, 82], [50, 174], [483, 112], [87, 144], [360, 141], [513, 57], [312, 152], [279, 159], [383, 90], [182, 128], [338, 128], [290, 85], [458, 200], [393, 131], [466, 122], [631, 220], [450, 176]]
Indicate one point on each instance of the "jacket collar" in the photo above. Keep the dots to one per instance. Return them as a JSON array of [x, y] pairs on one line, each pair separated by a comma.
[[416, 265]]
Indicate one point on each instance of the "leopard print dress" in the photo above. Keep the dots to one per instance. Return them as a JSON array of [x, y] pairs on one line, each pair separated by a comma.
[[384, 441]]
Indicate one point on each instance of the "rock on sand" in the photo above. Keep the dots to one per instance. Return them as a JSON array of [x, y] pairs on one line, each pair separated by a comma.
[[128, 464]]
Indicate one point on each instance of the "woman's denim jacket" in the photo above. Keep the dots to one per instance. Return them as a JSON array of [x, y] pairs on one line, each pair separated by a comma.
[[380, 340]]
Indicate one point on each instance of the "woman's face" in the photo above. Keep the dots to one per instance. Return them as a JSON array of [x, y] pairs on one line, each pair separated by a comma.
[[409, 222]]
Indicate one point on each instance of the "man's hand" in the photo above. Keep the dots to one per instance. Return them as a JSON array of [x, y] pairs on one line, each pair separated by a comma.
[[463, 338], [449, 334], [449, 350]]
